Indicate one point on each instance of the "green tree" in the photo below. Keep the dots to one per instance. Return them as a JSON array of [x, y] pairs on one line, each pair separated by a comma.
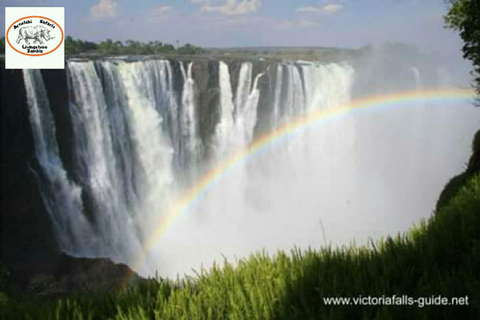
[[464, 16], [130, 47], [87, 46], [71, 46], [189, 49], [108, 47]]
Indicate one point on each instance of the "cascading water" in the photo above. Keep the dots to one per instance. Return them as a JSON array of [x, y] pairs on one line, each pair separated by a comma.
[[294, 99], [152, 146], [224, 130], [243, 89], [97, 168], [277, 96], [188, 124], [61, 197], [140, 141]]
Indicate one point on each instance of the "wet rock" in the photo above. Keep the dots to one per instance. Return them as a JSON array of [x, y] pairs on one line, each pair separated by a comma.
[[69, 275]]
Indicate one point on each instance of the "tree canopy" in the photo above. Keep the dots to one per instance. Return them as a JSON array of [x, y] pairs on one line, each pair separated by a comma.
[[130, 47], [112, 47], [464, 16]]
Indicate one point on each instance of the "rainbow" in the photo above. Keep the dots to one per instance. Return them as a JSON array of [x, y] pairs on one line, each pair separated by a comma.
[[444, 95]]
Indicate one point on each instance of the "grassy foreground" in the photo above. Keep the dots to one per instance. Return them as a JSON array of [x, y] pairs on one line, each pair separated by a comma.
[[438, 257]]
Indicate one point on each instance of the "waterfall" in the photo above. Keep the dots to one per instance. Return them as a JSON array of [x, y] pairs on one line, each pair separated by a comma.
[[62, 197], [250, 110], [97, 167], [152, 147], [243, 88], [170, 106], [246, 103], [277, 96], [224, 129], [295, 98], [418, 77], [327, 86], [122, 143], [141, 131], [188, 124], [238, 118]]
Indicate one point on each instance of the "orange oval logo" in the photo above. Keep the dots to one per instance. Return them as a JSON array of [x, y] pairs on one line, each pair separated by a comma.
[[34, 36]]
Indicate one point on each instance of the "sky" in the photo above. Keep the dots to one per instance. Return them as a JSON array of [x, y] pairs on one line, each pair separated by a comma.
[[240, 23]]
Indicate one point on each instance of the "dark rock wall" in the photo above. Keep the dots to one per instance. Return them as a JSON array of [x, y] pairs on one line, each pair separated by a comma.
[[57, 91], [266, 84]]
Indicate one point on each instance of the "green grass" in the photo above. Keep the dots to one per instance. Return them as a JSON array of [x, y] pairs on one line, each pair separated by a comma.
[[438, 257]]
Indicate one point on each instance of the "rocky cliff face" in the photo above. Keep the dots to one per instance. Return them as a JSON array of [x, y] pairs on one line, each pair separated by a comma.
[[68, 275]]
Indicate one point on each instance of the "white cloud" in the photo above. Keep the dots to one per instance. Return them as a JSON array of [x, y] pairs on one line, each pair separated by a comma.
[[329, 8], [309, 9], [332, 8], [160, 13], [104, 9], [230, 7], [300, 23]]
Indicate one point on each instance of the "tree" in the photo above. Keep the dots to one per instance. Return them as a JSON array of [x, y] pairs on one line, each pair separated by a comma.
[[464, 17], [109, 47], [130, 47], [189, 49], [71, 46]]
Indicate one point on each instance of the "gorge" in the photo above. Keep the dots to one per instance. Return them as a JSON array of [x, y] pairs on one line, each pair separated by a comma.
[[105, 148]]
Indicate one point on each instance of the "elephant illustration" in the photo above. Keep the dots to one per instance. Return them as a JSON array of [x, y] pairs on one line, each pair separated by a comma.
[[34, 33]]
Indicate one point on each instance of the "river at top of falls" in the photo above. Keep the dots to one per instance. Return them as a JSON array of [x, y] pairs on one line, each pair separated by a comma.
[[138, 150]]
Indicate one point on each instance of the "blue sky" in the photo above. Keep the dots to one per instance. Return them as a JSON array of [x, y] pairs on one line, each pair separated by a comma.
[[231, 23]]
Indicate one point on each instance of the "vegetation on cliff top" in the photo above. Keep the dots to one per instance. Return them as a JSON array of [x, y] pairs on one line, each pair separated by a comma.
[[130, 47]]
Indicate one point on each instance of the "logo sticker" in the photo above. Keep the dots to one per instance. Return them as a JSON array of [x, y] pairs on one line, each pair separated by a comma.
[[35, 36], [35, 41]]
